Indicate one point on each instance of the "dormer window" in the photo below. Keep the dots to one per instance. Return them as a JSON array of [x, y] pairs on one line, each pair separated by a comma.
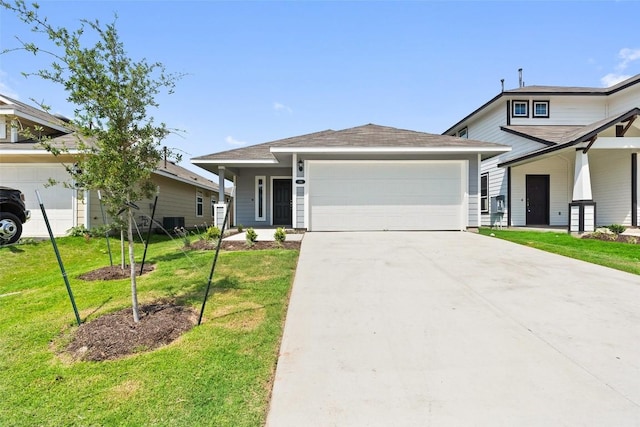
[[520, 109], [463, 133], [541, 109]]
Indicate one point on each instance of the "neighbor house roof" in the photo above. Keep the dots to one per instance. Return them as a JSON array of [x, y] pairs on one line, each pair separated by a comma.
[[557, 140], [13, 107], [550, 90], [367, 138], [174, 171]]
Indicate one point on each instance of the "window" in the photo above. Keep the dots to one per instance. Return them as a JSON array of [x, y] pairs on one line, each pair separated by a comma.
[[520, 109], [463, 133], [213, 206], [541, 109], [261, 198], [199, 203], [484, 193]]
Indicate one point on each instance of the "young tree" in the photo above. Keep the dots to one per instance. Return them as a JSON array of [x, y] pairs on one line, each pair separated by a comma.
[[118, 143]]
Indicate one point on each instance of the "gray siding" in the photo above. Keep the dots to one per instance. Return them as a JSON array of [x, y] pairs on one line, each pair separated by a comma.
[[245, 195]]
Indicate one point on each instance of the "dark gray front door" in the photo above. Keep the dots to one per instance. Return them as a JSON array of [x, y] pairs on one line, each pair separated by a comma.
[[282, 202], [537, 200]]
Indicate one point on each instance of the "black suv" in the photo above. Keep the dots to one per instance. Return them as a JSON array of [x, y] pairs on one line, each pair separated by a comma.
[[12, 215]]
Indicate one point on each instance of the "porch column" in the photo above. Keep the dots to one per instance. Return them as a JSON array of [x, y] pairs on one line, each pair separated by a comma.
[[221, 206], [582, 209], [582, 177], [221, 197]]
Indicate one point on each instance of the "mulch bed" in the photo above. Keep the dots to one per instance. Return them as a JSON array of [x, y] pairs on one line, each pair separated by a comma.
[[608, 237], [115, 272], [116, 335], [230, 245]]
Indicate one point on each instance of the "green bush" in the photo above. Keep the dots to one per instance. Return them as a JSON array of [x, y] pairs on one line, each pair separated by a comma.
[[213, 233], [82, 231], [617, 228], [280, 235], [251, 236], [240, 228]]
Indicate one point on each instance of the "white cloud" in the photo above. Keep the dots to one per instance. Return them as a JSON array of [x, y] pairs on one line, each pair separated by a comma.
[[613, 78], [5, 89], [281, 107], [626, 56], [232, 141]]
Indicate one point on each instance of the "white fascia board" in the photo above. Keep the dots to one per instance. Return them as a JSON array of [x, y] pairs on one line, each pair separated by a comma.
[[18, 113], [34, 152], [234, 162], [186, 181], [338, 150]]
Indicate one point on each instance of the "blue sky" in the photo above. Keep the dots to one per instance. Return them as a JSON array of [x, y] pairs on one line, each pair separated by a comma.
[[260, 71]]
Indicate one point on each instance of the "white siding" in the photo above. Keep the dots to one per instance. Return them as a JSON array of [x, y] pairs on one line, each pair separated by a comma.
[[611, 186], [623, 101]]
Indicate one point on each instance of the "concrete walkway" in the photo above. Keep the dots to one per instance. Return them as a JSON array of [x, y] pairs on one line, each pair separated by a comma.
[[455, 329]]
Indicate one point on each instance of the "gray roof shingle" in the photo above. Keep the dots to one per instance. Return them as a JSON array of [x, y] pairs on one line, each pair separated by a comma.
[[367, 136]]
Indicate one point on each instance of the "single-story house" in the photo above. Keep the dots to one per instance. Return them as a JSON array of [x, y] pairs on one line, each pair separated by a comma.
[[574, 157], [364, 178], [185, 198]]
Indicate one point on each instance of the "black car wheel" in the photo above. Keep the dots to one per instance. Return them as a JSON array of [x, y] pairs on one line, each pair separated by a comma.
[[10, 228]]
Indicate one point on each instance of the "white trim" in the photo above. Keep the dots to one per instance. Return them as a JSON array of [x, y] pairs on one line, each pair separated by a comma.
[[451, 150], [257, 198], [185, 180], [271, 195], [294, 191], [222, 162], [479, 213], [201, 193], [21, 114], [233, 200], [6, 152]]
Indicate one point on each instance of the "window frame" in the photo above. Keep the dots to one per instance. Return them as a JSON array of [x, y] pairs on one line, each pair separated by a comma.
[[199, 204], [463, 133], [260, 199], [540, 116], [485, 197], [517, 102], [213, 206]]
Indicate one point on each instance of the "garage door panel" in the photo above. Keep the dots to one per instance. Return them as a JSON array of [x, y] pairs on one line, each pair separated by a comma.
[[57, 199], [386, 195]]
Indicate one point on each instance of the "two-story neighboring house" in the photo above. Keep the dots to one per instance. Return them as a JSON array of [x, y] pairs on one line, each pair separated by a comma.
[[185, 198], [574, 157]]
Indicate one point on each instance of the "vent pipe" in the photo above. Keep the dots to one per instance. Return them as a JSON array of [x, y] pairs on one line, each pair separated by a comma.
[[520, 83], [502, 84], [164, 149]]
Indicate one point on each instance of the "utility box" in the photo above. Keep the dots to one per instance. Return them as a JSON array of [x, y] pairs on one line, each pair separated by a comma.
[[497, 204]]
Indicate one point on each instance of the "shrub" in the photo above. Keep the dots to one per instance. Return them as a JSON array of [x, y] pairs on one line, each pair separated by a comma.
[[617, 228], [251, 236], [82, 231], [183, 233], [240, 228], [213, 233], [280, 235]]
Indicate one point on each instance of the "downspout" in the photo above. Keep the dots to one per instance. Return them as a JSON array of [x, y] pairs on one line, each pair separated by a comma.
[[508, 196], [634, 189]]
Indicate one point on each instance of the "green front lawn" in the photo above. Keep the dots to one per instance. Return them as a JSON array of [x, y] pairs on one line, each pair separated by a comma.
[[621, 256], [217, 374]]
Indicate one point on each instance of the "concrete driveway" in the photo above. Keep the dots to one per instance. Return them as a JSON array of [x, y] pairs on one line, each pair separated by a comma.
[[455, 329]]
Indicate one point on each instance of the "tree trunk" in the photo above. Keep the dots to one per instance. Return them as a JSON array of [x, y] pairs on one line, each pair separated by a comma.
[[123, 264], [132, 264]]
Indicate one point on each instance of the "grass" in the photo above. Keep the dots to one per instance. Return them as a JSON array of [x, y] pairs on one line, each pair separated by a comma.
[[217, 374], [620, 256]]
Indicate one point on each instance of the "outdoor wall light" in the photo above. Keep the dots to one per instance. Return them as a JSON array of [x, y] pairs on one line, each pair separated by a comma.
[[300, 165]]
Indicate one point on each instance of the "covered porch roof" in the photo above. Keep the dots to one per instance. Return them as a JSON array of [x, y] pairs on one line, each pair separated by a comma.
[[566, 138]]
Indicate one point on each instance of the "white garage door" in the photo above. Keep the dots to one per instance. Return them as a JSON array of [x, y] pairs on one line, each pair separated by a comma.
[[387, 195], [28, 177]]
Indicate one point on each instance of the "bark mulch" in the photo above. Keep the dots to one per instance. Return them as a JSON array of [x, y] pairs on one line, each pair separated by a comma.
[[114, 272], [116, 335], [230, 245], [609, 237]]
